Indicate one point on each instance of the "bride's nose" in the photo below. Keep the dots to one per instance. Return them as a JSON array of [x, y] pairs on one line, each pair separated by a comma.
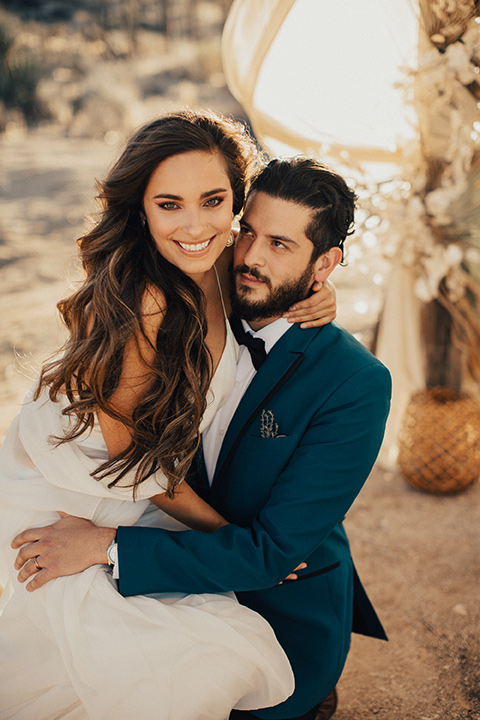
[[194, 224]]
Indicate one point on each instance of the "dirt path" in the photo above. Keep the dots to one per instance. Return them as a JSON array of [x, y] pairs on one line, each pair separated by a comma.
[[46, 190], [417, 554], [419, 557]]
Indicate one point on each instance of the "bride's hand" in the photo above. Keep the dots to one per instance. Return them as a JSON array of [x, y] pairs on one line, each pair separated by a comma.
[[67, 547], [294, 576], [318, 309]]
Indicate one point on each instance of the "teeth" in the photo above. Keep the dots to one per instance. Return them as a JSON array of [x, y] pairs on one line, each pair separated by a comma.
[[189, 247]]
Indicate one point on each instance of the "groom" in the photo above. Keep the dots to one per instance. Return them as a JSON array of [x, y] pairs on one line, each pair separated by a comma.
[[285, 456]]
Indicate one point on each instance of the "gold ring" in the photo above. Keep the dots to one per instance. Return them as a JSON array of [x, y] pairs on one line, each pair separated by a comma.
[[35, 560]]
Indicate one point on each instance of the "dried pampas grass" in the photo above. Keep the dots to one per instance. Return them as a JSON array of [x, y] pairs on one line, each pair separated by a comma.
[[445, 21]]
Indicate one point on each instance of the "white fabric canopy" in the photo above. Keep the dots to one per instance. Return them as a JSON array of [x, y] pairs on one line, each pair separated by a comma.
[[324, 77], [331, 79]]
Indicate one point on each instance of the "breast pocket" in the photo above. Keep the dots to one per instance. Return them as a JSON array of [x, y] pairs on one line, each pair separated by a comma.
[[268, 455], [251, 475], [257, 464]]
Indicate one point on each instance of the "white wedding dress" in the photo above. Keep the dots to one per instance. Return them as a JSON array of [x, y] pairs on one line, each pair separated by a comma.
[[77, 649]]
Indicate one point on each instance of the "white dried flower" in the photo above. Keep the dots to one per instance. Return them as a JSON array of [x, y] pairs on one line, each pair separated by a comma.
[[421, 290], [453, 255], [437, 203], [456, 282], [458, 59]]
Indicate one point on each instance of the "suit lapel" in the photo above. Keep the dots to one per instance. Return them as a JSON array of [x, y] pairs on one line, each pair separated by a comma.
[[197, 476], [281, 363]]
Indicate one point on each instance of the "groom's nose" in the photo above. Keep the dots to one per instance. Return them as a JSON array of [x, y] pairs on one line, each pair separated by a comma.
[[254, 254]]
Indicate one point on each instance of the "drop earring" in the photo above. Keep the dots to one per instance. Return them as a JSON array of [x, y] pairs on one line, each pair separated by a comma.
[[230, 241]]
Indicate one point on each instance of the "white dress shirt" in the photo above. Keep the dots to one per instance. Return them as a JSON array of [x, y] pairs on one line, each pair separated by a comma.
[[215, 433]]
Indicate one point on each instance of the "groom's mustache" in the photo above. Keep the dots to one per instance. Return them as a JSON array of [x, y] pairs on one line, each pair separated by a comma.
[[253, 272]]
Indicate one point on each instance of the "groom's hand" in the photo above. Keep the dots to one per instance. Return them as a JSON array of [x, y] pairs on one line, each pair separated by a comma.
[[67, 547]]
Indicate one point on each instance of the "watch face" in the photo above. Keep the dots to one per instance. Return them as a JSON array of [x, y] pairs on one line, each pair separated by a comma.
[[112, 554]]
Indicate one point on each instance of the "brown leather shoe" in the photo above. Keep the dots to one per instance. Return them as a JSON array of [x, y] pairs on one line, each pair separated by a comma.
[[327, 708]]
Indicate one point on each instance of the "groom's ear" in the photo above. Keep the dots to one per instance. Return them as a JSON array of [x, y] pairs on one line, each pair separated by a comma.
[[327, 263]]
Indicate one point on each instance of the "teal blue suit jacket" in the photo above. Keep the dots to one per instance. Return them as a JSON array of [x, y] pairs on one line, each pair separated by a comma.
[[285, 497]]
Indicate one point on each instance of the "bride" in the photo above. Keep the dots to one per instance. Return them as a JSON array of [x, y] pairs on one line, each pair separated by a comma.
[[108, 432]]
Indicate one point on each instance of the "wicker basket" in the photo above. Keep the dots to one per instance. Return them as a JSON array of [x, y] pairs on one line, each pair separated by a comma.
[[439, 441]]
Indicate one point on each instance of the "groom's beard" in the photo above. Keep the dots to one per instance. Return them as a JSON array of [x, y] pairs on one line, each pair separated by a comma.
[[278, 300]]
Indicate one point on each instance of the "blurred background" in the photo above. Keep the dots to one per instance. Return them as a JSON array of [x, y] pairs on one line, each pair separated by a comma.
[[102, 66]]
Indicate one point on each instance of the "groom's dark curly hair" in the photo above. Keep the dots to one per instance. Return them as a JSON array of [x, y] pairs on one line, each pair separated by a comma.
[[310, 183]]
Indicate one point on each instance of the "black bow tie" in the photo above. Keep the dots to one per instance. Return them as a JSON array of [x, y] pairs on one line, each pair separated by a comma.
[[255, 346]]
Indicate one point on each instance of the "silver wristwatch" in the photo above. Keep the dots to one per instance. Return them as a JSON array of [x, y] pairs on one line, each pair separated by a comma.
[[112, 553]]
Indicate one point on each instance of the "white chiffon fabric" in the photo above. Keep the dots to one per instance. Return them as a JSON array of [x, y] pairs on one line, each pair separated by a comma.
[[77, 649]]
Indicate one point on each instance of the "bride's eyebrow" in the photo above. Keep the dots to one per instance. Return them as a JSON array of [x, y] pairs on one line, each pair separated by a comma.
[[206, 194], [213, 192]]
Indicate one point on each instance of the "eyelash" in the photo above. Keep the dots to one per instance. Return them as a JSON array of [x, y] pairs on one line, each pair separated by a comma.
[[217, 200], [171, 205]]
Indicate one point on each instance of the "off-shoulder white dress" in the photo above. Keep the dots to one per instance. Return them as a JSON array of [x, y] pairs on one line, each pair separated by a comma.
[[77, 649]]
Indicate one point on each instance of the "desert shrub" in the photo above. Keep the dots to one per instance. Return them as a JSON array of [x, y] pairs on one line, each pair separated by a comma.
[[19, 77]]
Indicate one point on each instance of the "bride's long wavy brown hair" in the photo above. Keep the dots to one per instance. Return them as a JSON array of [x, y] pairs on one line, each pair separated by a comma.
[[120, 260]]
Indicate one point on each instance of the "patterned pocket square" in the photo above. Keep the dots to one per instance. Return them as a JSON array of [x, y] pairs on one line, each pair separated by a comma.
[[268, 426]]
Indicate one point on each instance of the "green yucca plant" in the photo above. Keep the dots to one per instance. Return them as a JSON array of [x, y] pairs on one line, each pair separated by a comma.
[[19, 77], [6, 42]]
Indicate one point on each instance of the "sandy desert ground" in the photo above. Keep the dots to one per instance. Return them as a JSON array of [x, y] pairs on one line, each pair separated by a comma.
[[418, 554]]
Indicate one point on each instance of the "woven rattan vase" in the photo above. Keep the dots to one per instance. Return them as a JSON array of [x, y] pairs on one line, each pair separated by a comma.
[[439, 441]]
